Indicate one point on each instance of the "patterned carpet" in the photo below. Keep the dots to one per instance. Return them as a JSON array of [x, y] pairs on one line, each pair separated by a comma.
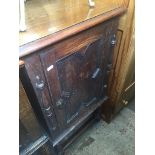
[[116, 138]]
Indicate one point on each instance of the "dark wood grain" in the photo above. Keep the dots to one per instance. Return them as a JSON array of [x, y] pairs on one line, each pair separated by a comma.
[[70, 77], [77, 86], [68, 71], [34, 71]]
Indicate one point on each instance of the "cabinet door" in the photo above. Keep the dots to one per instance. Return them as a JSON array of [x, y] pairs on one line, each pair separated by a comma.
[[75, 80]]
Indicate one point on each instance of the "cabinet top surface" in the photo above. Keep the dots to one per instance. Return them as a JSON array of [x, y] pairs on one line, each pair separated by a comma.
[[46, 17]]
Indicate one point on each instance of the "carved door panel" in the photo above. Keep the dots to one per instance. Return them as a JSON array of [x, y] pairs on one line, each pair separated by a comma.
[[75, 80]]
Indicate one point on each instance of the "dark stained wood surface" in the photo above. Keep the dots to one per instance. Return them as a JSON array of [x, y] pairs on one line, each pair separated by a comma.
[[70, 77], [59, 19], [77, 87], [37, 79], [68, 67]]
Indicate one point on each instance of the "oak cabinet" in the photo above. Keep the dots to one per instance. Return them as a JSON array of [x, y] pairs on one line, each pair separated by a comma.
[[67, 64], [70, 78]]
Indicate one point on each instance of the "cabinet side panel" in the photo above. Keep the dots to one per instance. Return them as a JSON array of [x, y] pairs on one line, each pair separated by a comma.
[[39, 84]]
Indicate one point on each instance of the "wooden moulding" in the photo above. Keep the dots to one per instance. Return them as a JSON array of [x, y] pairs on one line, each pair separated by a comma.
[[60, 35]]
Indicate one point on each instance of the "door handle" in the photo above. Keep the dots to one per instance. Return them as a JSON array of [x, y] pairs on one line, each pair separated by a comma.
[[125, 102], [113, 40], [39, 83], [60, 103], [96, 73]]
